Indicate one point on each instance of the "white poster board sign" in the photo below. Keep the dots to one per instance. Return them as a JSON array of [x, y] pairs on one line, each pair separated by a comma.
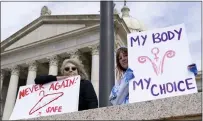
[[50, 99], [159, 59]]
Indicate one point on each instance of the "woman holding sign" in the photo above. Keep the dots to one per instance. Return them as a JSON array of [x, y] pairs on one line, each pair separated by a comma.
[[72, 67], [120, 91]]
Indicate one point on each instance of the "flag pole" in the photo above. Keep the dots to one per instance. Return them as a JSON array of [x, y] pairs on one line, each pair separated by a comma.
[[106, 53]]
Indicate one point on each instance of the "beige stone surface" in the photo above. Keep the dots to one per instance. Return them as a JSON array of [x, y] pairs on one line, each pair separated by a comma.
[[43, 32], [167, 108]]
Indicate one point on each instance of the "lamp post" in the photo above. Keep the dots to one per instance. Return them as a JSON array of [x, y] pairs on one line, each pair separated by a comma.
[[106, 59]]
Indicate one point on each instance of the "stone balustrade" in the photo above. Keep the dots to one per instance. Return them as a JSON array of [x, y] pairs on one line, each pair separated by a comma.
[[178, 107]]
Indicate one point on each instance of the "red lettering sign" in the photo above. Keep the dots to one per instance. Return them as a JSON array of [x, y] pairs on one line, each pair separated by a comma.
[[54, 109], [29, 90], [63, 84]]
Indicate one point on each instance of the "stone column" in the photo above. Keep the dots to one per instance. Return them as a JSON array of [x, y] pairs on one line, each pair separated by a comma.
[[53, 65], [32, 72], [1, 92], [95, 68], [2, 79], [11, 94]]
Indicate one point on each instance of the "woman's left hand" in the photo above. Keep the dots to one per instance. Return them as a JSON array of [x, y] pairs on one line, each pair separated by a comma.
[[193, 68]]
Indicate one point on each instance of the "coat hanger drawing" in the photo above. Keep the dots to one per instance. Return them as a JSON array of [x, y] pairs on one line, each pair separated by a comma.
[[45, 100]]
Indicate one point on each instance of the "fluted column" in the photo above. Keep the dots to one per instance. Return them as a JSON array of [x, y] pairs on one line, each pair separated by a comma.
[[32, 72], [53, 65], [95, 68], [11, 94]]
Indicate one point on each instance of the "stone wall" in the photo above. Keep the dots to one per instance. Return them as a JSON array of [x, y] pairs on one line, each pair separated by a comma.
[[179, 107]]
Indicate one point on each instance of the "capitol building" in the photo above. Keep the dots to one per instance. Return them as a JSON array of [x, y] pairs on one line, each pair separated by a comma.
[[40, 47]]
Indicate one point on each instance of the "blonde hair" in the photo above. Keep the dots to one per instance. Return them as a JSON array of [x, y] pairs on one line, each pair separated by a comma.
[[119, 74], [79, 66]]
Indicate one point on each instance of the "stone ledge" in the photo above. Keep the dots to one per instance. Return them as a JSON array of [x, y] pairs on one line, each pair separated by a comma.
[[167, 108]]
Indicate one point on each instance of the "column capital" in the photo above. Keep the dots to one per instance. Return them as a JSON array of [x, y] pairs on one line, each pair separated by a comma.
[[15, 70], [94, 49], [2, 73], [117, 44], [53, 60], [75, 54], [32, 65]]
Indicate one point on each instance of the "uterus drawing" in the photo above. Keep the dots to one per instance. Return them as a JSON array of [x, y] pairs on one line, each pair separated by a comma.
[[158, 68], [45, 100]]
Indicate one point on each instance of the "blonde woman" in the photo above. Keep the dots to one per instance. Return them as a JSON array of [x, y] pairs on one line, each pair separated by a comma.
[[72, 67]]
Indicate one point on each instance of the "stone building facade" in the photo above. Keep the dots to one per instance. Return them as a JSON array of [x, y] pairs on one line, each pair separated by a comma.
[[40, 47]]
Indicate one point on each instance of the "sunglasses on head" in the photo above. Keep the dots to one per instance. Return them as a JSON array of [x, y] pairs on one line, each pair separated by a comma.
[[72, 68]]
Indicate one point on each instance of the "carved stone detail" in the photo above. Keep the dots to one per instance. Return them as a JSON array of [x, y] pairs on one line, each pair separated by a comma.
[[53, 60], [76, 54], [32, 65], [115, 10], [117, 45], [95, 49], [15, 70], [45, 11]]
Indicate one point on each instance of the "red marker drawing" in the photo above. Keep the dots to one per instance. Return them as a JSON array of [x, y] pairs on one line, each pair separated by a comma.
[[155, 52], [44, 101]]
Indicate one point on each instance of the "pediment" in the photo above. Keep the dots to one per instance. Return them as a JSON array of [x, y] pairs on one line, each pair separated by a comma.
[[45, 31], [46, 27], [49, 26]]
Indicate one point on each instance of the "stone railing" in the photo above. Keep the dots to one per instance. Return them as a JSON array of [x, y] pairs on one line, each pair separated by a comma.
[[179, 107]]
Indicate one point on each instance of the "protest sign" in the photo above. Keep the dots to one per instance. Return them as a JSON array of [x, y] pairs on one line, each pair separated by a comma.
[[49, 99], [159, 60]]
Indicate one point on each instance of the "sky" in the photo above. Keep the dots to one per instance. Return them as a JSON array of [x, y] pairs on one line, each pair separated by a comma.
[[15, 15]]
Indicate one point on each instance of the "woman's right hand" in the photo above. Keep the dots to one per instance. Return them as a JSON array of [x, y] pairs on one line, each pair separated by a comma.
[[128, 75]]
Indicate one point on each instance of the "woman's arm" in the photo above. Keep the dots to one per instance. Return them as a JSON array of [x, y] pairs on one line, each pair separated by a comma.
[[119, 92], [43, 79], [90, 95]]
